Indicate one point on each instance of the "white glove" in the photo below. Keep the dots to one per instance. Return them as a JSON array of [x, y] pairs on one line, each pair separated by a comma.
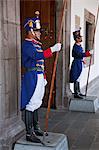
[[56, 47], [91, 52]]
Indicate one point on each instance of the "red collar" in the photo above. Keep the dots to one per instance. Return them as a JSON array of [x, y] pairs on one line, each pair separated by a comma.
[[34, 41]]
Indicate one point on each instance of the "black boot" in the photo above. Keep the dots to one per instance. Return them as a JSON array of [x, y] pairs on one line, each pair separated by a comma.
[[30, 136], [36, 125], [76, 91], [79, 90]]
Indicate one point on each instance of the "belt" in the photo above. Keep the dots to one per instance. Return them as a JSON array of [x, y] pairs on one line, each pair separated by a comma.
[[34, 69]]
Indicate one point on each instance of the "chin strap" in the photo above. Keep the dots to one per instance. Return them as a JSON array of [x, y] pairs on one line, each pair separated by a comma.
[[33, 32]]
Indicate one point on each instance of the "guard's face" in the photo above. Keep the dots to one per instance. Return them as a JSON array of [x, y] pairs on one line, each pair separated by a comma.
[[79, 39], [37, 34]]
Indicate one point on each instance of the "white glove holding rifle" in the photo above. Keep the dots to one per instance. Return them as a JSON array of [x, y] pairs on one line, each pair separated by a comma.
[[56, 47], [91, 52]]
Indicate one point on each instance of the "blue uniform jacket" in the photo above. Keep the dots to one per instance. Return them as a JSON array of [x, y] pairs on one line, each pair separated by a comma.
[[76, 67], [31, 54]]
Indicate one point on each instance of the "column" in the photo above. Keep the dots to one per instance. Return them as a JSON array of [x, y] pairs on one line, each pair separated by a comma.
[[11, 125]]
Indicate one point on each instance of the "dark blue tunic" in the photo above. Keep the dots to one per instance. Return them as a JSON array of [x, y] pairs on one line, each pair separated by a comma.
[[31, 56], [76, 67]]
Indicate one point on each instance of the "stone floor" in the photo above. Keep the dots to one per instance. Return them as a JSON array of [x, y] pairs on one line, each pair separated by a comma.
[[82, 129]]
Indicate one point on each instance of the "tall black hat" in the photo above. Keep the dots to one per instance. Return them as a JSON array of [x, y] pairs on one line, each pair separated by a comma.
[[76, 34], [32, 23]]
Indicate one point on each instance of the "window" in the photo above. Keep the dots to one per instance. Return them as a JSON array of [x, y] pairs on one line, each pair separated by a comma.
[[89, 45], [77, 22]]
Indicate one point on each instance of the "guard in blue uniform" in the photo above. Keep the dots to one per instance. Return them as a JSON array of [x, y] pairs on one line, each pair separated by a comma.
[[33, 81], [77, 64]]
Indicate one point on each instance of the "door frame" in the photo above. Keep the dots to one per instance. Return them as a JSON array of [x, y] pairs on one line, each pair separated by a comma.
[[63, 91]]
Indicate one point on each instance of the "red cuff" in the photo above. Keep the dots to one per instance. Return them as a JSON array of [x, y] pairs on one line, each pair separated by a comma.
[[88, 54], [47, 53]]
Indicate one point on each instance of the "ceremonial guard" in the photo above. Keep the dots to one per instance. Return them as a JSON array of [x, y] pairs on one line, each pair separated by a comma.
[[33, 81], [77, 64]]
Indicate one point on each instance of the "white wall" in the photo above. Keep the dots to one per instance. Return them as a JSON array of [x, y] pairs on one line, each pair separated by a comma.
[[77, 8]]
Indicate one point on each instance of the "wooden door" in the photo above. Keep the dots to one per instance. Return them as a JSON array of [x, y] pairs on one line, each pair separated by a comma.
[[47, 16]]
